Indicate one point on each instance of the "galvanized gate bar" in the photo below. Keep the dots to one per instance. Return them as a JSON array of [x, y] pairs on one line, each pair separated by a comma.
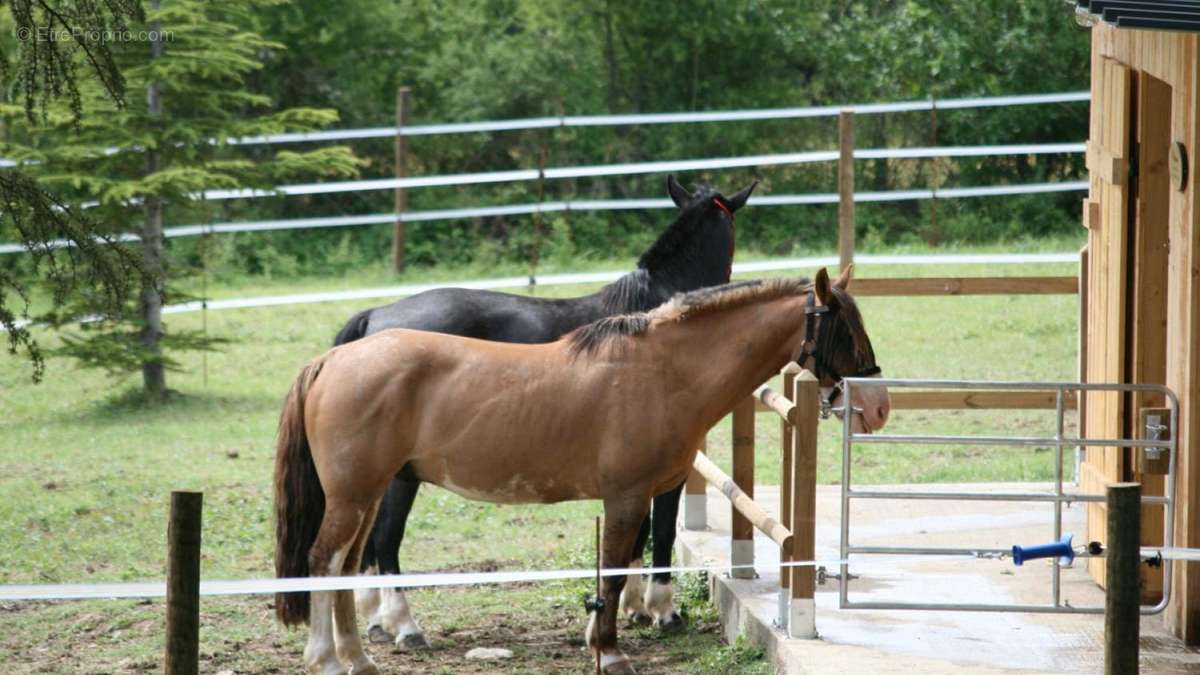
[[1007, 440], [1058, 497], [1066, 497]]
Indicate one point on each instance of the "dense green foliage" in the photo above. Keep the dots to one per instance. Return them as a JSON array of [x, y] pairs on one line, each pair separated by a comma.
[[493, 59], [496, 59]]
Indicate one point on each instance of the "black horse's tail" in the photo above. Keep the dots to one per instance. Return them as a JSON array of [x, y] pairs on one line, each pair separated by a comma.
[[354, 329], [299, 500]]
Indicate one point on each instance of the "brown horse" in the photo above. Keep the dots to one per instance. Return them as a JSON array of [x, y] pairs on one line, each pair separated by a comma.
[[613, 411]]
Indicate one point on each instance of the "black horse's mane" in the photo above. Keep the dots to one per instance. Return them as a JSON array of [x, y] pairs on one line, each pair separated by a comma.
[[630, 293], [676, 252]]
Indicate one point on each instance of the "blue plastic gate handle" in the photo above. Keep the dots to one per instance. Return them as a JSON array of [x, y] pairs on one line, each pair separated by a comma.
[[1061, 548]]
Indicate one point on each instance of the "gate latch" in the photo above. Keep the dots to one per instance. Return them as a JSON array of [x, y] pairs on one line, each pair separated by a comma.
[[1155, 430], [824, 575]]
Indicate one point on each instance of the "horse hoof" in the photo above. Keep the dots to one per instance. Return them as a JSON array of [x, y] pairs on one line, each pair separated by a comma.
[[640, 619], [368, 668], [406, 643], [377, 635], [670, 623]]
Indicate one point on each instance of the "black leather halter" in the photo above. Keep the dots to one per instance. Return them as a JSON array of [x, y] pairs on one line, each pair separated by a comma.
[[819, 349]]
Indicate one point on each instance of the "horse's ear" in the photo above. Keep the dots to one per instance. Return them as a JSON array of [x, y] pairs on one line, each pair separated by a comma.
[[679, 195], [843, 280], [738, 200], [821, 287]]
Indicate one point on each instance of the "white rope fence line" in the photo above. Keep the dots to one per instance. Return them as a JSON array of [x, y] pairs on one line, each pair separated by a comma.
[[664, 118], [630, 169], [158, 589], [573, 278], [569, 206], [605, 277], [638, 168], [650, 118]]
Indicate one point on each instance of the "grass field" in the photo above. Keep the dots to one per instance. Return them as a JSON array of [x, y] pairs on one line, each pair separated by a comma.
[[85, 473]]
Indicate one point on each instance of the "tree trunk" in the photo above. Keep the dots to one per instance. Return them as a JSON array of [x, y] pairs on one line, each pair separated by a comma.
[[153, 282]]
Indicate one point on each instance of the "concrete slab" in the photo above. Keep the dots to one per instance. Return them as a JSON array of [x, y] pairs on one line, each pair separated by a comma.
[[910, 641]]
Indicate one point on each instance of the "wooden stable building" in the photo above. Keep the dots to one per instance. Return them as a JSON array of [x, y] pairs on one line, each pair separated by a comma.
[[1140, 295]]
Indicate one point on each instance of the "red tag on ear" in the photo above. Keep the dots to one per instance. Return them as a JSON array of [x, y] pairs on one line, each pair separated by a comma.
[[723, 208]]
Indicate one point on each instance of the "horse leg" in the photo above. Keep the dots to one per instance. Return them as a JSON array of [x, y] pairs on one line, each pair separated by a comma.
[[338, 534], [370, 601], [621, 520], [367, 600], [660, 595], [631, 597], [349, 645], [395, 618]]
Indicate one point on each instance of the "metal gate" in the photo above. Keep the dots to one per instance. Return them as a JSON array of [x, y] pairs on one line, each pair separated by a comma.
[[1152, 447]]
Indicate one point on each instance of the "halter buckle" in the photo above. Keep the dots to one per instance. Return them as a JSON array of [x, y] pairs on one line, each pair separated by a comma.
[[826, 409]]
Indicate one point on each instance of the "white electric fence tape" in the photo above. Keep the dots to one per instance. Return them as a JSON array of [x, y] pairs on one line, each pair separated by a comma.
[[602, 277], [453, 180], [651, 118], [605, 277], [667, 118], [569, 206], [157, 589]]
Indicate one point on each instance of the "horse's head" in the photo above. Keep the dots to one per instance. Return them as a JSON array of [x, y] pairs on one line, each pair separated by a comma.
[[702, 238], [683, 198], [836, 346]]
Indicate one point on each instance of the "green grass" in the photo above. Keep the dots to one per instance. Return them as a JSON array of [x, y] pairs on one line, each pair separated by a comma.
[[85, 473]]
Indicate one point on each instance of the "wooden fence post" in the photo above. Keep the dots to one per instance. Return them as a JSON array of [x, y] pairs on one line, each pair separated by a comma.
[[806, 394], [1122, 597], [695, 498], [785, 492], [399, 233], [183, 584], [1081, 404], [741, 529], [846, 189]]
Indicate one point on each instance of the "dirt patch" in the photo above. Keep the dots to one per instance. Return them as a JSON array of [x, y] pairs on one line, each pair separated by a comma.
[[240, 634], [481, 566]]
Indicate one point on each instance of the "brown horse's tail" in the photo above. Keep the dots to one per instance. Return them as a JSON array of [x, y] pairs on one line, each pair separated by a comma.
[[299, 500]]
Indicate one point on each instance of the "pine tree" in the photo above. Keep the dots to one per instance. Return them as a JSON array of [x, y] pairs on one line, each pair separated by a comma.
[[41, 71], [144, 163]]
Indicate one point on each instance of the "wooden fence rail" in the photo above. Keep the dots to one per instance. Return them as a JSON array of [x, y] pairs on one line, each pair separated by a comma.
[[924, 286], [937, 399], [743, 503]]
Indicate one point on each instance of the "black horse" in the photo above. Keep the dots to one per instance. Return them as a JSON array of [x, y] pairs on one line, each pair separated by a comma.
[[695, 251]]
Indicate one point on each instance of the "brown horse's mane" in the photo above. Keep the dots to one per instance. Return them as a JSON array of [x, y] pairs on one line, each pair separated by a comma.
[[589, 338]]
